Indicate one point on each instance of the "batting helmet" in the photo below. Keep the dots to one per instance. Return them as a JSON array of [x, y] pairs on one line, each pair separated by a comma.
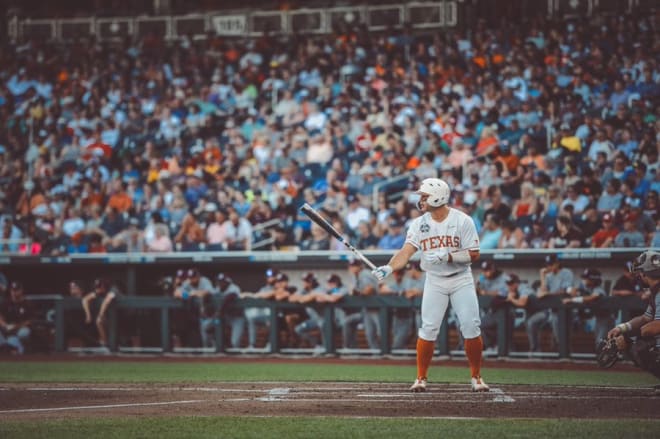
[[437, 190], [648, 263]]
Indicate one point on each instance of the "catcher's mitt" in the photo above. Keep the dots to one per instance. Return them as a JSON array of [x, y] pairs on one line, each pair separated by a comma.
[[607, 353]]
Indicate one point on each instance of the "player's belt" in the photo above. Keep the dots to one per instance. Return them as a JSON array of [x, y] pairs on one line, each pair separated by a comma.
[[452, 274]]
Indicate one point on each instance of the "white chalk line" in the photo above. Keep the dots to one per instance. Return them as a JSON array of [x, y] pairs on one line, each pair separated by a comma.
[[107, 406]]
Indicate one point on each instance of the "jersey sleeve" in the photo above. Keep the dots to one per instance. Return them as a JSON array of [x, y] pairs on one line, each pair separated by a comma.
[[470, 237], [413, 234]]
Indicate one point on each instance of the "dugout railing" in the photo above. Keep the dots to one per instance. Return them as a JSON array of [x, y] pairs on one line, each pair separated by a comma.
[[385, 305]]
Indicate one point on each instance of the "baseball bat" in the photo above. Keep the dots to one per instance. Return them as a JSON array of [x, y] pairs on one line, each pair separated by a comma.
[[325, 225]]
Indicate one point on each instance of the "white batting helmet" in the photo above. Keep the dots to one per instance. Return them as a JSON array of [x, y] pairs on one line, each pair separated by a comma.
[[437, 190]]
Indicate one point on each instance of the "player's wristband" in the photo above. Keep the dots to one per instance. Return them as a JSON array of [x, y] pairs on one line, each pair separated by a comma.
[[624, 327], [461, 257]]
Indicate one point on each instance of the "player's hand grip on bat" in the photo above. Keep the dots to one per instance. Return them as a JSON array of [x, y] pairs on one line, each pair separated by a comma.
[[437, 256], [382, 272]]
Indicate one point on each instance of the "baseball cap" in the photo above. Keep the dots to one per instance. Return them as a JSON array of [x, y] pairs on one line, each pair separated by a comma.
[[334, 278], [487, 265], [550, 259], [607, 217], [513, 278], [16, 285], [193, 272], [395, 222], [281, 277], [221, 277], [271, 272], [309, 277], [591, 273], [354, 263], [181, 273]]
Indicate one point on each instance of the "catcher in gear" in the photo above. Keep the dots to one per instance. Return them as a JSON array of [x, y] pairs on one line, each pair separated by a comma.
[[639, 338]]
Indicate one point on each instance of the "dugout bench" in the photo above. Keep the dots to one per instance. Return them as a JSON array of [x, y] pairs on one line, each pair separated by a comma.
[[385, 305]]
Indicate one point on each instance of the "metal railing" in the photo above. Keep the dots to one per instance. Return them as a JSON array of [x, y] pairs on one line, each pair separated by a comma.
[[383, 185], [628, 306], [241, 23]]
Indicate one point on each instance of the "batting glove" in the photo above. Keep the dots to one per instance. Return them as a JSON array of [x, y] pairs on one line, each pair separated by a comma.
[[382, 272], [437, 257]]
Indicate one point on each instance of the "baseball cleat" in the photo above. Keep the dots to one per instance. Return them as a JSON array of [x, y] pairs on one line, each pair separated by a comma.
[[419, 385], [478, 385]]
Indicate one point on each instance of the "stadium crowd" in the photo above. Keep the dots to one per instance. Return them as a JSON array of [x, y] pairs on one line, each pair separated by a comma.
[[547, 132]]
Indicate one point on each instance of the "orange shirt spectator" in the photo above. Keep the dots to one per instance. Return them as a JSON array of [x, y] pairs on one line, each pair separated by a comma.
[[120, 200]]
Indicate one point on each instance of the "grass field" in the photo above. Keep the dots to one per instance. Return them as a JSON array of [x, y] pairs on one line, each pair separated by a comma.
[[316, 427], [252, 427], [262, 370]]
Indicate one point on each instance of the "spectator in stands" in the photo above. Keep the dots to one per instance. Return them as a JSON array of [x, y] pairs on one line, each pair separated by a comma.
[[606, 235], [577, 200], [356, 213], [239, 232], [491, 232], [611, 198], [190, 235], [630, 236], [149, 130], [16, 317], [555, 281], [95, 305], [395, 235], [130, 240], [365, 239], [512, 236], [566, 234], [497, 205], [318, 240], [161, 242]]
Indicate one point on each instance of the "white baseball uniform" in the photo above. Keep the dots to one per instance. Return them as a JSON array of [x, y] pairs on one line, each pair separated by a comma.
[[447, 282]]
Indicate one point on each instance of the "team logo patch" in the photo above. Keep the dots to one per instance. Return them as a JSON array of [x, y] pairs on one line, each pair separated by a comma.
[[424, 228]]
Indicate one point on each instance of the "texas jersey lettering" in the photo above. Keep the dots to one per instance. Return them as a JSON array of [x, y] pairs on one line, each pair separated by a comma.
[[456, 232]]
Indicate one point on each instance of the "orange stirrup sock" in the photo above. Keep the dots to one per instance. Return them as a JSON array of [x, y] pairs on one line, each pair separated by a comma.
[[473, 349], [424, 356]]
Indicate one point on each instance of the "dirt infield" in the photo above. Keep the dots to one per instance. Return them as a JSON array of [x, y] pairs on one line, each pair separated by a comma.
[[62, 401], [68, 400]]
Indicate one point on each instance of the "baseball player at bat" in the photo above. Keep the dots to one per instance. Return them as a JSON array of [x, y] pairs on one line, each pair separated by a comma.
[[449, 243]]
